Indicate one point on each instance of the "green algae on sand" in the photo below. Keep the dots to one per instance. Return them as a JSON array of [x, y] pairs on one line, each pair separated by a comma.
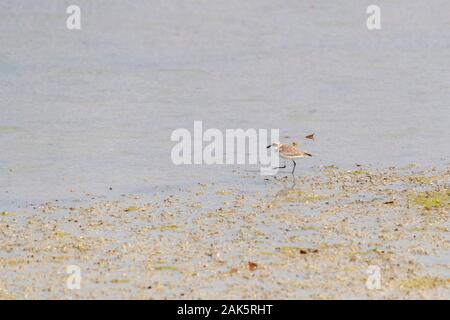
[[296, 251], [359, 172], [7, 214], [132, 209], [424, 283], [431, 200], [303, 197], [165, 268], [422, 179]]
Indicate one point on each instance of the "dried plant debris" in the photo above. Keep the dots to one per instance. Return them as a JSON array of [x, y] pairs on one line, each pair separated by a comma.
[[252, 266]]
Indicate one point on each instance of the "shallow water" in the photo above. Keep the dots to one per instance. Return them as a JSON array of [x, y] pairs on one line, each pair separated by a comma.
[[86, 111]]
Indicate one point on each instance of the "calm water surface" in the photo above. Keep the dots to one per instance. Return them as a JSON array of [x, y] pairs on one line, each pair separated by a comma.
[[83, 111]]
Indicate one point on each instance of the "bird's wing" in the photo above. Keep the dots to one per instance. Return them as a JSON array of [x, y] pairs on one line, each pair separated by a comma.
[[290, 150], [293, 151]]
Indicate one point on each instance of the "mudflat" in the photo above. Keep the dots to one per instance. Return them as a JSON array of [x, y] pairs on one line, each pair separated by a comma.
[[319, 236]]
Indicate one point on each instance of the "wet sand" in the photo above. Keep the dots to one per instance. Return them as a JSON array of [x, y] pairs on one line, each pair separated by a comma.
[[314, 239]]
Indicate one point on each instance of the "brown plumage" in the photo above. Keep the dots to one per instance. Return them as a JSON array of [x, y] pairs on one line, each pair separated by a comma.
[[289, 152]]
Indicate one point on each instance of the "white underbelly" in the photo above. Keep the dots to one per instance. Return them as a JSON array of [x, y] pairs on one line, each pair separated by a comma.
[[289, 157]]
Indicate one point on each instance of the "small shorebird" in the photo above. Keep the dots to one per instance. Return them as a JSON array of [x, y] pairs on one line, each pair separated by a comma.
[[289, 153]]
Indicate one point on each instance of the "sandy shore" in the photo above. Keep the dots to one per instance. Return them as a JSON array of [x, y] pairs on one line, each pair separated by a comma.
[[316, 238]]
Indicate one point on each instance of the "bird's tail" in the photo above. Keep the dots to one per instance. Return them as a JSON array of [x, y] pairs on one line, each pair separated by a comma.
[[308, 154]]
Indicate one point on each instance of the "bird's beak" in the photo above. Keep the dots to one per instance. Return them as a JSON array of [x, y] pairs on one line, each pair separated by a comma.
[[268, 146]]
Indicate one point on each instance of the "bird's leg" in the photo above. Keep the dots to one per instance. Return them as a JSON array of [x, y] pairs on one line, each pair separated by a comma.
[[293, 184], [283, 167], [294, 167]]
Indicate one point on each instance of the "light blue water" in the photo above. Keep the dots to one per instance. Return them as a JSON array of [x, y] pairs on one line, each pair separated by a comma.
[[82, 111]]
